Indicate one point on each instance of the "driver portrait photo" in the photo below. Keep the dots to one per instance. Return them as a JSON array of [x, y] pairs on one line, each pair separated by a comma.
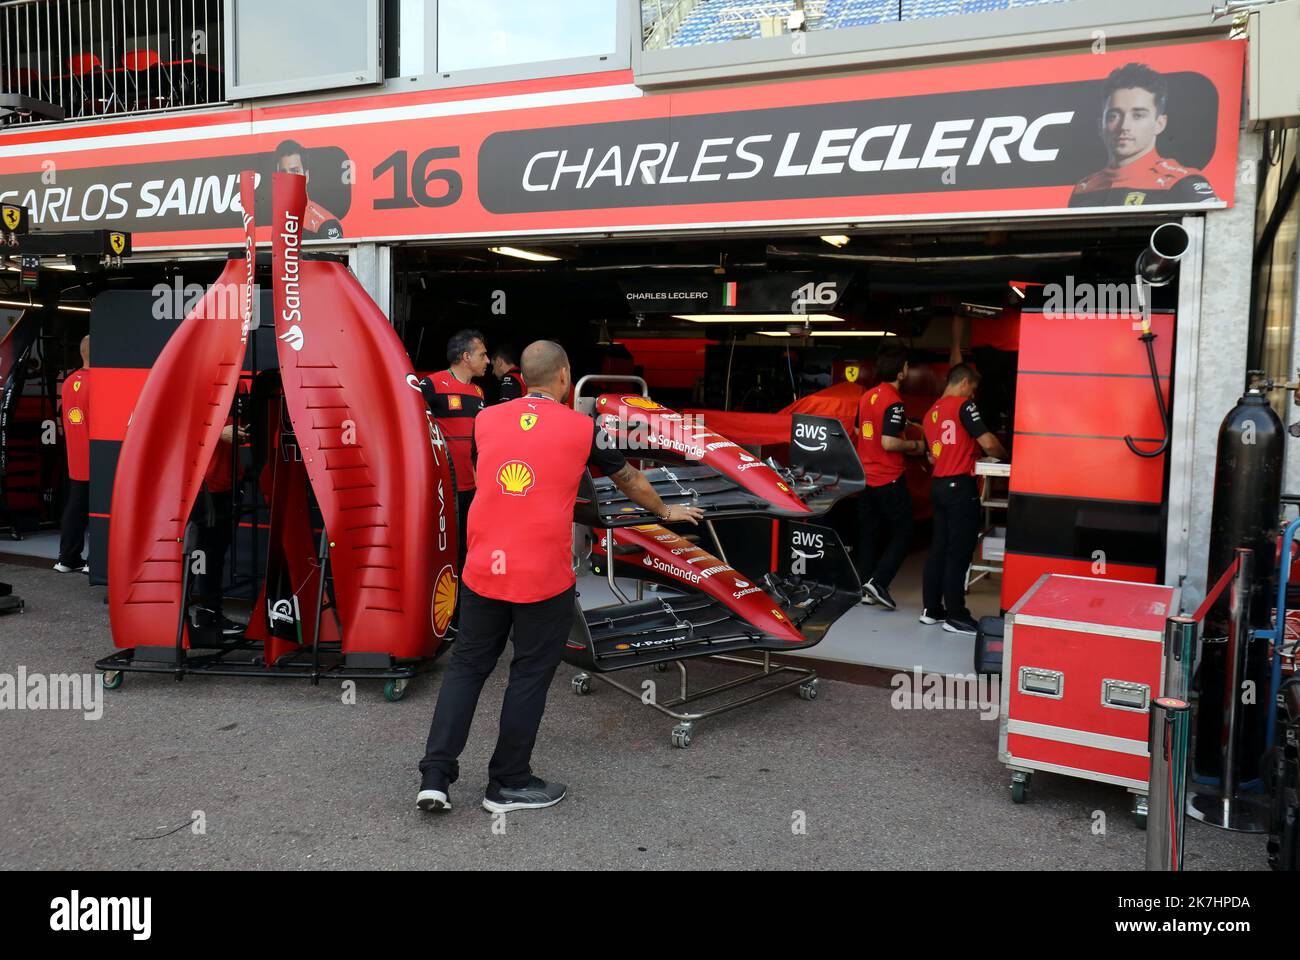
[[318, 223], [1132, 119]]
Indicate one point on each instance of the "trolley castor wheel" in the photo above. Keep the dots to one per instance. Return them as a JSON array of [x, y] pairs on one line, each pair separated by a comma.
[[582, 684], [682, 736], [661, 667], [1140, 811], [808, 689], [1019, 787], [113, 679], [394, 690]]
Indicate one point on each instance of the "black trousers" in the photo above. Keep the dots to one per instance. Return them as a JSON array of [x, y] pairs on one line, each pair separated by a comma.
[[956, 531], [213, 513], [886, 515], [540, 631], [72, 529]]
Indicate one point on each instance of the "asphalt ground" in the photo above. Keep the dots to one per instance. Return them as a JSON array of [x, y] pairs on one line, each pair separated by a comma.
[[281, 774]]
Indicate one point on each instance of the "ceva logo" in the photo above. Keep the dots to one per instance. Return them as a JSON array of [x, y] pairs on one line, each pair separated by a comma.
[[293, 337]]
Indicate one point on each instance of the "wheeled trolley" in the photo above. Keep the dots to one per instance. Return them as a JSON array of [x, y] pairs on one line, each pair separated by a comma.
[[1082, 661]]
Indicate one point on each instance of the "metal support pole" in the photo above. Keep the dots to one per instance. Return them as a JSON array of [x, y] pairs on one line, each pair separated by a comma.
[[1168, 783], [1226, 809], [1180, 647]]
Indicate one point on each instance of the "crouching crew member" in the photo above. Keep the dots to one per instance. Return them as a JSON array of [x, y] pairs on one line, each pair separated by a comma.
[[532, 452], [954, 434], [885, 507], [505, 367], [455, 401]]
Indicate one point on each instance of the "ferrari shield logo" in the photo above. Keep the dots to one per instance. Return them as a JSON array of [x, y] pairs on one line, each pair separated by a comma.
[[117, 242], [12, 215], [851, 374], [527, 421]]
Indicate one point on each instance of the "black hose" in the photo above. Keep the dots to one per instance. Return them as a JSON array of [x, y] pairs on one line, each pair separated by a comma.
[[1149, 340]]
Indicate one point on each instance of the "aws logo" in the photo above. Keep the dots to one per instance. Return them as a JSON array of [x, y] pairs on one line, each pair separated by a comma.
[[805, 545], [516, 478], [444, 600], [814, 432]]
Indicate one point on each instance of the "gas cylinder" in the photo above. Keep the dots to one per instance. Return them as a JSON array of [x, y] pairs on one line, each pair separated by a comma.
[[1247, 507]]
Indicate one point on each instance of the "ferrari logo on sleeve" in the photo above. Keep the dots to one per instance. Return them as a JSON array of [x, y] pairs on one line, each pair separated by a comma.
[[527, 421], [516, 478], [851, 375], [934, 416], [76, 385]]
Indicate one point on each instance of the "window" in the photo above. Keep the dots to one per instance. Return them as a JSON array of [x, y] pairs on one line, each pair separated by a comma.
[[475, 35], [687, 23], [295, 45]]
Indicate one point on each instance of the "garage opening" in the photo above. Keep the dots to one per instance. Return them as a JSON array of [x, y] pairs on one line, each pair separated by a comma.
[[743, 328]]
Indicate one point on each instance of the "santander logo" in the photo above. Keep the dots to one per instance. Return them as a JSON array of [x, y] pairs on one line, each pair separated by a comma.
[[293, 337]]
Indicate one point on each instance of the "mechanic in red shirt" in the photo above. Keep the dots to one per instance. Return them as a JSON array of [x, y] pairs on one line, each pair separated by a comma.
[[1132, 119], [532, 452], [954, 434], [505, 367], [455, 400], [885, 509], [76, 438]]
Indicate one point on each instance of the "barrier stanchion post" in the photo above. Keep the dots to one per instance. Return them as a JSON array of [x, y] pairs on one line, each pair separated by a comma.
[[1180, 648], [1226, 809], [1168, 783]]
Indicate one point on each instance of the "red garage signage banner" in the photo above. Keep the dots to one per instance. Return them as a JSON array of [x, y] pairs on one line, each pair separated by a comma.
[[1135, 129]]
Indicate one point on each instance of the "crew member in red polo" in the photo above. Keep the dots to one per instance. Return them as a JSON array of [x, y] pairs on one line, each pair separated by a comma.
[[455, 400], [505, 367], [76, 438], [954, 433], [885, 507], [531, 454]]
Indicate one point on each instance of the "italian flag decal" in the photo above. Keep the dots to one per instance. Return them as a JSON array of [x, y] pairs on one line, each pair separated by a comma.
[[729, 294]]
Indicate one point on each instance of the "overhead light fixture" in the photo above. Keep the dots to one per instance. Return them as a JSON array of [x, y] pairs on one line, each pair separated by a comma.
[[58, 265], [23, 305], [830, 333], [757, 317], [837, 240], [1018, 288], [522, 254]]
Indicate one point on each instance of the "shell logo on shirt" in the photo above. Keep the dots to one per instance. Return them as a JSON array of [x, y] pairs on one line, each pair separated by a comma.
[[516, 478], [453, 401], [75, 415], [936, 448], [868, 428], [528, 421]]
